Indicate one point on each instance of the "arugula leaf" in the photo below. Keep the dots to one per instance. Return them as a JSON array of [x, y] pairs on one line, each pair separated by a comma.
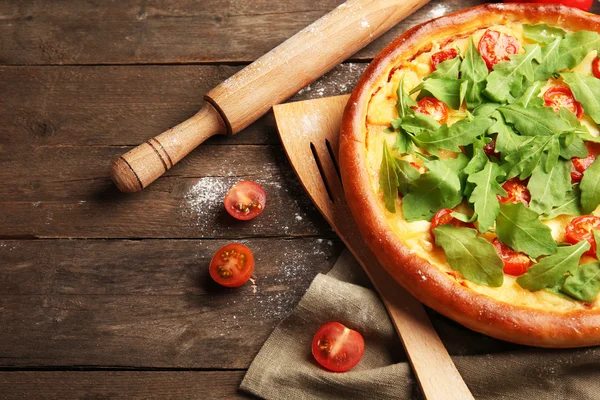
[[549, 189], [451, 137], [507, 141], [520, 228], [484, 195], [590, 187], [522, 162], [550, 270], [416, 123], [473, 256], [548, 61], [439, 187], [586, 90], [404, 102], [477, 162], [569, 206], [486, 110], [571, 145], [530, 96], [508, 76], [575, 46], [534, 121], [474, 70], [596, 234], [542, 33], [446, 90], [406, 173], [388, 179], [446, 69], [403, 143], [464, 217], [584, 283]]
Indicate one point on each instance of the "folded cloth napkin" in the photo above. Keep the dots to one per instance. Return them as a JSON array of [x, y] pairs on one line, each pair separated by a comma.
[[285, 369]]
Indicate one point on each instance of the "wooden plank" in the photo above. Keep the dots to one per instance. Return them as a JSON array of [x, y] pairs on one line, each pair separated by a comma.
[[148, 385], [126, 105], [168, 31], [145, 303]]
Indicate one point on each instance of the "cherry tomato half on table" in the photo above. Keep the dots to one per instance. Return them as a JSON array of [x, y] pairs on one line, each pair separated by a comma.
[[245, 200], [515, 263], [496, 46], [434, 108], [580, 228], [337, 348], [596, 67], [516, 192], [232, 265], [558, 97], [441, 56], [584, 5], [581, 164]]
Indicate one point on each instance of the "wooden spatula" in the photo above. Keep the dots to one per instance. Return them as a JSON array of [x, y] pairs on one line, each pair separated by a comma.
[[309, 131]]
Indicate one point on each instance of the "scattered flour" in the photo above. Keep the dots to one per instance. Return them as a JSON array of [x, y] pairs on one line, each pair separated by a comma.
[[204, 200]]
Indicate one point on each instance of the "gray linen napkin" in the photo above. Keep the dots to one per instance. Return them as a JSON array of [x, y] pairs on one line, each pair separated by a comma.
[[285, 369]]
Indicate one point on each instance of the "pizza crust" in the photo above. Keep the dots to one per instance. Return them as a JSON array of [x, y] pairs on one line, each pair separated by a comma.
[[428, 283]]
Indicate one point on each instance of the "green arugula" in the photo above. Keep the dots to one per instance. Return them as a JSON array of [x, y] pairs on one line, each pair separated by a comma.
[[507, 77], [584, 283], [404, 102], [474, 70], [530, 96], [590, 187], [521, 229], [416, 123], [586, 90], [446, 90], [507, 141], [527, 157], [475, 257], [446, 69], [484, 196], [451, 137], [575, 46], [439, 187], [548, 61], [550, 270], [543, 33], [403, 143], [534, 121], [388, 179], [569, 206], [549, 189]]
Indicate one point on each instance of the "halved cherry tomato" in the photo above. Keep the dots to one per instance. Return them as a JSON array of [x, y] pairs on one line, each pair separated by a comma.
[[584, 5], [245, 200], [515, 263], [580, 228], [561, 96], [581, 164], [232, 265], [434, 108], [444, 217], [496, 46], [442, 56], [517, 192], [596, 67], [337, 348]]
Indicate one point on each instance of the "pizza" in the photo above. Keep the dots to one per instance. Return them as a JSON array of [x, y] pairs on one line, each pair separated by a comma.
[[468, 157]]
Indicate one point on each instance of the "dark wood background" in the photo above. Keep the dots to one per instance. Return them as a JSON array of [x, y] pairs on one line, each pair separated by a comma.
[[107, 295]]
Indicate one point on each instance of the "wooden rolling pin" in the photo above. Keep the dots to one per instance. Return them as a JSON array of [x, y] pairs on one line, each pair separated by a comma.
[[274, 77]]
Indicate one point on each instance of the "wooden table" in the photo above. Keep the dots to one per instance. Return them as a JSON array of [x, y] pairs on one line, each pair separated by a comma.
[[107, 295]]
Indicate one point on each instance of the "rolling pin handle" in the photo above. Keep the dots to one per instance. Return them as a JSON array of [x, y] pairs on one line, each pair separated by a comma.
[[142, 165]]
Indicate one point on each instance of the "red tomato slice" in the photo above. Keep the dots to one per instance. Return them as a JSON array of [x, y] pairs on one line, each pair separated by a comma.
[[584, 5], [337, 348], [596, 67], [442, 56], [581, 164], [444, 217], [232, 265], [561, 96], [434, 108], [515, 263], [495, 46], [245, 200], [580, 228], [517, 192]]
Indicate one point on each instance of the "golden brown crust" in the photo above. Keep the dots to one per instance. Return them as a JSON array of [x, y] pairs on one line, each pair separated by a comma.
[[426, 282]]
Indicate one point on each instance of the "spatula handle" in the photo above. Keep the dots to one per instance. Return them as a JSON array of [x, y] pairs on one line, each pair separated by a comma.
[[142, 165]]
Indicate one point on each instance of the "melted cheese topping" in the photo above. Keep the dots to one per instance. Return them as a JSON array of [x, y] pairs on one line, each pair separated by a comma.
[[415, 235]]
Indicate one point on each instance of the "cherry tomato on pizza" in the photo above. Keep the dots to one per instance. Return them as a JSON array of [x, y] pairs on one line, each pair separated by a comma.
[[515, 263], [596, 67], [337, 348], [558, 97], [232, 265], [444, 217], [441, 56], [434, 108], [245, 200], [581, 164], [496, 46], [584, 5], [580, 228], [516, 192]]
